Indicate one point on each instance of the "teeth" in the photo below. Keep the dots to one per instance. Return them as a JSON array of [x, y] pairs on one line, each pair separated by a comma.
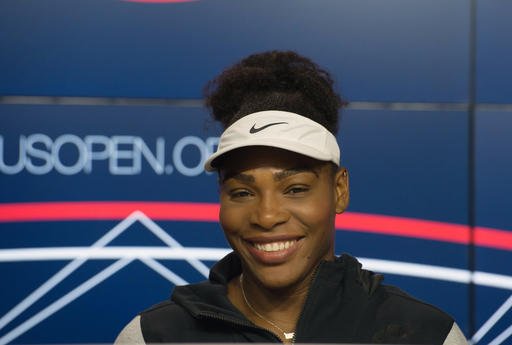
[[274, 246]]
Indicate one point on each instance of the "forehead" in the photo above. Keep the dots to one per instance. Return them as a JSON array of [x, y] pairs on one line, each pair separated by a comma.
[[249, 158]]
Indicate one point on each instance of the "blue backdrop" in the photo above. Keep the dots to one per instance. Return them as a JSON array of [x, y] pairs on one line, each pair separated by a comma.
[[103, 137]]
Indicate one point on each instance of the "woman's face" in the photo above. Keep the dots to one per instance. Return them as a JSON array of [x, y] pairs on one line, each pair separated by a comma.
[[277, 212]]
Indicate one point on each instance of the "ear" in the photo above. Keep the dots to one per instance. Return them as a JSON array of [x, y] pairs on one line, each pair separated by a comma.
[[341, 190]]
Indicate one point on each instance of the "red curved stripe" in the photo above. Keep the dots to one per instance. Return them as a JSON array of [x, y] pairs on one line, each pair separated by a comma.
[[104, 210], [493, 238], [406, 227], [208, 212], [159, 1]]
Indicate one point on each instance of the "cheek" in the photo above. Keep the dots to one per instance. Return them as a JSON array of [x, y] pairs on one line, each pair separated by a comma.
[[228, 224], [318, 211], [225, 219], [231, 219]]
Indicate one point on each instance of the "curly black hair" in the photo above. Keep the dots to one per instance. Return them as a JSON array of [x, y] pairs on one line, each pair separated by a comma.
[[274, 80]]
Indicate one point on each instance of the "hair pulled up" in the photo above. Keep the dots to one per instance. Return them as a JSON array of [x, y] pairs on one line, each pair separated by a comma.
[[274, 80]]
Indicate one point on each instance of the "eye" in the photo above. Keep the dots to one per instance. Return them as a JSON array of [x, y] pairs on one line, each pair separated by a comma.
[[297, 190], [239, 194]]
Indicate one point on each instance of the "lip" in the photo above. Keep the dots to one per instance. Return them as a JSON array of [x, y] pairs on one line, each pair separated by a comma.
[[273, 257]]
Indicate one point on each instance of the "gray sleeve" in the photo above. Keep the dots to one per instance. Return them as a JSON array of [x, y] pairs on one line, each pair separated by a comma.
[[455, 337], [131, 334]]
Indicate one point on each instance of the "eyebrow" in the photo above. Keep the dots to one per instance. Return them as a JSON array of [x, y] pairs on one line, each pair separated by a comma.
[[279, 176], [240, 177]]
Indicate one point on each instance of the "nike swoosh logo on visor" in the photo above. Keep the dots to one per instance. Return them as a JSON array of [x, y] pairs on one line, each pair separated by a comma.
[[256, 130]]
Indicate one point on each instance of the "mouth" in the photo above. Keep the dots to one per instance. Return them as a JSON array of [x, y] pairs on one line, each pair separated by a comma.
[[273, 251], [274, 246]]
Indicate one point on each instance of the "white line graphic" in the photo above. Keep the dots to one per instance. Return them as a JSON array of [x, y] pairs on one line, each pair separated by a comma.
[[171, 242], [497, 280], [418, 270], [164, 272], [502, 337], [438, 272], [64, 300], [498, 314], [64, 272], [69, 253]]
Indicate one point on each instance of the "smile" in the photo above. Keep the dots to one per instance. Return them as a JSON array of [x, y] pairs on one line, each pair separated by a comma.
[[274, 246]]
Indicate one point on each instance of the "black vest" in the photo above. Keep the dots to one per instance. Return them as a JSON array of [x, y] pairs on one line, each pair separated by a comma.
[[345, 304]]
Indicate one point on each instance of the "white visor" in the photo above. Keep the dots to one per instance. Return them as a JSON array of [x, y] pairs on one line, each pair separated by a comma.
[[280, 129]]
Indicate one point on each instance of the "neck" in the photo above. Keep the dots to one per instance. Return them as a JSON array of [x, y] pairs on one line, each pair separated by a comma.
[[279, 306], [285, 296]]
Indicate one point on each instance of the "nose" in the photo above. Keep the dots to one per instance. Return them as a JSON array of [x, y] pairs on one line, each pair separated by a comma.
[[269, 212]]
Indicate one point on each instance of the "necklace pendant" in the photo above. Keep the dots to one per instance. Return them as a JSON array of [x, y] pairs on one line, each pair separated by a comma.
[[289, 336]]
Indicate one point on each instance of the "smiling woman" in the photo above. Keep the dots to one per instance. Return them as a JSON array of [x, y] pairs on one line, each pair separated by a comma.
[[277, 214], [281, 186]]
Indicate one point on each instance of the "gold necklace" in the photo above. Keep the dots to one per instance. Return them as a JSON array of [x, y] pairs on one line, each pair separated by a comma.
[[287, 335]]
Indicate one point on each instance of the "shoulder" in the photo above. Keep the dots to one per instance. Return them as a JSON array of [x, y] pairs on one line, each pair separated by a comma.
[[131, 333], [455, 337], [398, 315], [162, 319], [155, 324], [387, 301], [395, 300], [391, 315]]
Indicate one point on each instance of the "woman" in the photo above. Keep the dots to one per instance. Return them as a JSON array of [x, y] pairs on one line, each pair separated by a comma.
[[281, 186]]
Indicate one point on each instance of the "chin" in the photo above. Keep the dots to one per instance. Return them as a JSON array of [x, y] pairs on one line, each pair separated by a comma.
[[277, 284], [279, 277]]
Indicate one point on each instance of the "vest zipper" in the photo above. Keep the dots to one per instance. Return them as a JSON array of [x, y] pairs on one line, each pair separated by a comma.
[[313, 278]]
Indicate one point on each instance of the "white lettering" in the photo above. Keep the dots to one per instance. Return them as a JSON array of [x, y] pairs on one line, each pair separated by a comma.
[[177, 155], [92, 142], [16, 168], [125, 156], [68, 154], [156, 161], [211, 144], [82, 158], [34, 152]]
